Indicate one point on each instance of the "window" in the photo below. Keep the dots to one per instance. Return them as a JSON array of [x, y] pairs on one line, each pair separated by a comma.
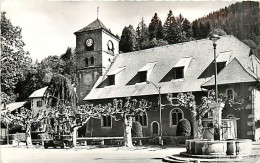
[[106, 121], [155, 128], [176, 116], [92, 61], [86, 62], [178, 73], [220, 66], [111, 80], [230, 94], [143, 76], [39, 103], [142, 119]]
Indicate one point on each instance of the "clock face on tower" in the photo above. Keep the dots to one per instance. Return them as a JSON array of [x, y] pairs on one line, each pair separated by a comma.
[[110, 46], [89, 42]]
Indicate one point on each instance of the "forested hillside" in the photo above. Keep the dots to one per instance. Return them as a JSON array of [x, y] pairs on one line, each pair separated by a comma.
[[240, 19]]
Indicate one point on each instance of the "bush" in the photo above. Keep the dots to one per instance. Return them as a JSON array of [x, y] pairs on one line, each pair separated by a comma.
[[184, 128], [137, 129]]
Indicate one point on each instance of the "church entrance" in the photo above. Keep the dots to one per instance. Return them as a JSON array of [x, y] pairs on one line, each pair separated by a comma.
[[155, 128]]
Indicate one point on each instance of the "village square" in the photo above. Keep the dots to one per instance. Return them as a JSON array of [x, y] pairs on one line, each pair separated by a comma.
[[174, 90]]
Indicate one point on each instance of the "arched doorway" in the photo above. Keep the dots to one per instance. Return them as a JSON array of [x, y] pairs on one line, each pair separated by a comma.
[[176, 114], [155, 128]]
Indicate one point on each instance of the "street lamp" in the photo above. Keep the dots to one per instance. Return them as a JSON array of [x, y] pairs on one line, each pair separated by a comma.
[[214, 38], [158, 88]]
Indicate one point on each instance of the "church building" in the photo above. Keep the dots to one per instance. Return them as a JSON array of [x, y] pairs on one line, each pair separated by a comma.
[[105, 74]]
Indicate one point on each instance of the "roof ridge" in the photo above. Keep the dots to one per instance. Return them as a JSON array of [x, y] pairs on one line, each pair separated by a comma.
[[180, 43]]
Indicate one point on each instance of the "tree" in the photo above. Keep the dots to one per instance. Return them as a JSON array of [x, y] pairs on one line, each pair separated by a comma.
[[142, 35], [217, 31], [128, 41], [69, 64], [15, 60], [253, 46], [155, 28], [60, 90], [187, 100], [157, 43], [169, 28], [24, 118]]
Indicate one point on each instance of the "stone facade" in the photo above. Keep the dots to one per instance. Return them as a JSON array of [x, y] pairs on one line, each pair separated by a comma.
[[88, 73]]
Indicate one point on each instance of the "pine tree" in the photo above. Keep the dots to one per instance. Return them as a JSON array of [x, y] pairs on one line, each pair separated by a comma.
[[143, 35], [155, 28], [169, 28], [128, 41]]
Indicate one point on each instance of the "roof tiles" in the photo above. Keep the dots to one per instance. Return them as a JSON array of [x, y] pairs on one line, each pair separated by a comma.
[[166, 57]]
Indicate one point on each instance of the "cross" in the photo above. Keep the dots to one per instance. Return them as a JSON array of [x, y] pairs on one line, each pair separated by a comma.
[[97, 11]]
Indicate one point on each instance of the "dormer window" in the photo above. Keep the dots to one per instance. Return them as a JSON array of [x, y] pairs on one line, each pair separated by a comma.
[[178, 73], [222, 60], [142, 76], [112, 77], [220, 66], [111, 80], [145, 72]]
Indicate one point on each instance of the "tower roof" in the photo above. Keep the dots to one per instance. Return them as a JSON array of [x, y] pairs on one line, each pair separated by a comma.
[[95, 25]]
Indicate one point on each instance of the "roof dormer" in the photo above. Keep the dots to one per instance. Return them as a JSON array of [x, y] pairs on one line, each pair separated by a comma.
[[178, 71], [145, 72], [112, 77]]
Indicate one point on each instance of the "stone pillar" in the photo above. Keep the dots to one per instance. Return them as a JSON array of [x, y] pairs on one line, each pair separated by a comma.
[[217, 119]]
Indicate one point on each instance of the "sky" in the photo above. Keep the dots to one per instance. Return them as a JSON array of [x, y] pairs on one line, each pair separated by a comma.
[[48, 26]]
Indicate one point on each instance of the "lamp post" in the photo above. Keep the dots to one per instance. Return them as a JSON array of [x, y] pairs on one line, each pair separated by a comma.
[[217, 109], [158, 88], [214, 38]]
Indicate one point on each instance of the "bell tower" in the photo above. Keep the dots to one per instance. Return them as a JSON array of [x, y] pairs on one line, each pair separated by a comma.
[[96, 47]]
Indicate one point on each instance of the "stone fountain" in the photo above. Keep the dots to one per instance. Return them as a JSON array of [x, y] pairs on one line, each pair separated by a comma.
[[218, 147]]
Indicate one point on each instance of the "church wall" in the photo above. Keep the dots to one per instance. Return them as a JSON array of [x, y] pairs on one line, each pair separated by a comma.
[[105, 38], [256, 103], [244, 112], [244, 124], [153, 116]]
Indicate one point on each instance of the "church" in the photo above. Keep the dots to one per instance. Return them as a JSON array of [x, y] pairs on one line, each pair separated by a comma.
[[103, 74]]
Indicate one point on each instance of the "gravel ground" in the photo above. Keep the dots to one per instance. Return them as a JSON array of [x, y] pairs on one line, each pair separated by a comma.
[[105, 154], [143, 154]]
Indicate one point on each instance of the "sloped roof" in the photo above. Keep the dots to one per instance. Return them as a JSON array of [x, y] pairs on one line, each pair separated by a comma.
[[95, 25], [13, 106], [166, 57], [38, 93], [234, 72]]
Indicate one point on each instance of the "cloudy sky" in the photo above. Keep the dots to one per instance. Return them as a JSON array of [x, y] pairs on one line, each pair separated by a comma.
[[48, 26]]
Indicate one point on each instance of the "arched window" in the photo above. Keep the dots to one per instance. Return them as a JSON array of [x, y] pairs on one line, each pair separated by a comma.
[[230, 94], [155, 128], [142, 119], [92, 60], [106, 121], [86, 62], [175, 116]]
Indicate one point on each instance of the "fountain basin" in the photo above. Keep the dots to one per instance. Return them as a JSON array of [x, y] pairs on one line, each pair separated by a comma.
[[238, 147]]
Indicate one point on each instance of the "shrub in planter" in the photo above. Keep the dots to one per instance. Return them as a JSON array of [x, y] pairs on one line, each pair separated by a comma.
[[184, 128], [137, 129]]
